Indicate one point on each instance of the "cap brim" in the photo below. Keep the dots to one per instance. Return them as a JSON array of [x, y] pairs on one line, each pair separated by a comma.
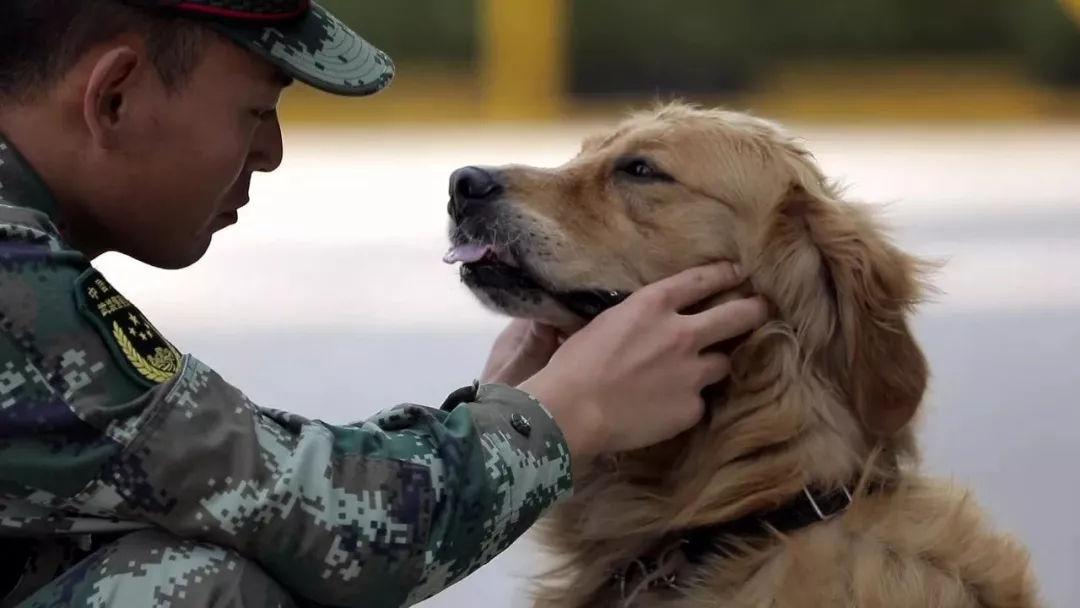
[[318, 49]]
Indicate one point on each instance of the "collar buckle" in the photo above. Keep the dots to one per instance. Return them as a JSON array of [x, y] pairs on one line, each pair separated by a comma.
[[822, 516]]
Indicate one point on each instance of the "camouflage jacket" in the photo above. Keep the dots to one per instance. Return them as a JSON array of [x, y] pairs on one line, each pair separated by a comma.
[[106, 428]]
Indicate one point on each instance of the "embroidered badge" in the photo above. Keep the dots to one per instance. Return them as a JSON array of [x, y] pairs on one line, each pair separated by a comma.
[[144, 353]]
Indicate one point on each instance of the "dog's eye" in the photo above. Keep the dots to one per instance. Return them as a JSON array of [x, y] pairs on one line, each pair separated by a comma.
[[641, 169]]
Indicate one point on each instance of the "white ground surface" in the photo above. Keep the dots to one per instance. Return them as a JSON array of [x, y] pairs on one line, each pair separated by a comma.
[[329, 298]]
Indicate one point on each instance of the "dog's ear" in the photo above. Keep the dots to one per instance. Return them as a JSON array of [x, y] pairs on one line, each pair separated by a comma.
[[848, 291]]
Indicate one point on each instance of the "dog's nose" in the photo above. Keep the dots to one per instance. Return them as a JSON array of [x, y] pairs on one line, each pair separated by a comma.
[[471, 188]]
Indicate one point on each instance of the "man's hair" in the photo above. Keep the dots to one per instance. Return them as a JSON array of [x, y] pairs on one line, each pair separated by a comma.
[[41, 40]]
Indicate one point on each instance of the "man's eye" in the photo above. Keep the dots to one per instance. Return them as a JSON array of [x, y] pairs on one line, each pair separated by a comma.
[[641, 169]]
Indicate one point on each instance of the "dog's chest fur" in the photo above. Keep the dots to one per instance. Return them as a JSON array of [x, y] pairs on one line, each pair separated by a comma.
[[924, 544]]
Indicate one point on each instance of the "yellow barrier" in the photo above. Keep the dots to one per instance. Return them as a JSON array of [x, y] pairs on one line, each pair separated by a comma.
[[524, 58]]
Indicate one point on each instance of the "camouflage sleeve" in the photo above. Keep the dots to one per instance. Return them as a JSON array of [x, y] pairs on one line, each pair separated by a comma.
[[97, 427], [380, 513]]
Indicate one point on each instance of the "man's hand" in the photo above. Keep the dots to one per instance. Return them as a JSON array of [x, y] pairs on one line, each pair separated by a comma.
[[521, 350], [633, 377]]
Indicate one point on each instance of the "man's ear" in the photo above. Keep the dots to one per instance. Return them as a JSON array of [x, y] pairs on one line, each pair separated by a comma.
[[106, 100]]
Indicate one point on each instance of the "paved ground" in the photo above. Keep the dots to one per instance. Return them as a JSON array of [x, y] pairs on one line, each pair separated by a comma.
[[329, 298]]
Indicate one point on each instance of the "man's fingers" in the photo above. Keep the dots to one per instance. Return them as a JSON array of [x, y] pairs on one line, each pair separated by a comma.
[[715, 367], [729, 320], [694, 285]]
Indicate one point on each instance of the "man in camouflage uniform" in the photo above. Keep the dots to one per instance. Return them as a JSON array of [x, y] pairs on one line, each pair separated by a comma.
[[132, 475]]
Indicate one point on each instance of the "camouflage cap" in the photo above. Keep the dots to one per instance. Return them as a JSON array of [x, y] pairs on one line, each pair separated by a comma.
[[298, 36]]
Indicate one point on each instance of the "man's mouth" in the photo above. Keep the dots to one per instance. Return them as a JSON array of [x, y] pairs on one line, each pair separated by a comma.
[[240, 203]]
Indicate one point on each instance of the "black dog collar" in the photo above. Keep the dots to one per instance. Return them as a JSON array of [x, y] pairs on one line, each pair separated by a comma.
[[589, 304]]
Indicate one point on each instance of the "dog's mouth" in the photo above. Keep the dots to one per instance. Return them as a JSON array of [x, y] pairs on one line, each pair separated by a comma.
[[491, 266], [477, 253], [495, 267]]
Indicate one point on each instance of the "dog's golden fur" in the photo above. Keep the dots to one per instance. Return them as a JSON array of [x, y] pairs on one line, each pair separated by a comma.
[[822, 396]]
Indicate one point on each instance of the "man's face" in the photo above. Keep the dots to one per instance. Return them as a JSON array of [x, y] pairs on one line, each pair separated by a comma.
[[183, 168]]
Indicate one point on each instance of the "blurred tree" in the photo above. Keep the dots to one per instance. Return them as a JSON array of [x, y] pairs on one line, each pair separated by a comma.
[[429, 30], [1049, 41], [673, 46], [712, 45], [708, 45], [890, 27]]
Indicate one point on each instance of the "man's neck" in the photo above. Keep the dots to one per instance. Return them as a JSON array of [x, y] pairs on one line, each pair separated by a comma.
[[47, 167]]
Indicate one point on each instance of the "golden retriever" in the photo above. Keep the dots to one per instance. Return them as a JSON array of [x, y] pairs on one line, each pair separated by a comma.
[[819, 404]]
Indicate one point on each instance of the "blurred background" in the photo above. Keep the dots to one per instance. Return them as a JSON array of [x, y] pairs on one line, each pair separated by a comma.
[[961, 117]]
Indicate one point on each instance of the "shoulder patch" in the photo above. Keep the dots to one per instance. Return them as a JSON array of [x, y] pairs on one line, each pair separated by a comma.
[[133, 341]]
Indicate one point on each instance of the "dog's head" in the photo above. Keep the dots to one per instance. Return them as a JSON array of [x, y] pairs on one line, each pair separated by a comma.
[[679, 187]]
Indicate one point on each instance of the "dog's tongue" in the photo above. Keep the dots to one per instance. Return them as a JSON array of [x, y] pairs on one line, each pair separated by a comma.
[[466, 254]]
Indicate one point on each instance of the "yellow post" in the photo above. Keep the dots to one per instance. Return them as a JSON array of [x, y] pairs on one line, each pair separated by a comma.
[[523, 57], [1073, 6]]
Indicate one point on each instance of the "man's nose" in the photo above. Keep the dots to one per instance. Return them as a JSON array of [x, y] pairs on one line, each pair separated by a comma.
[[267, 148], [471, 188]]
